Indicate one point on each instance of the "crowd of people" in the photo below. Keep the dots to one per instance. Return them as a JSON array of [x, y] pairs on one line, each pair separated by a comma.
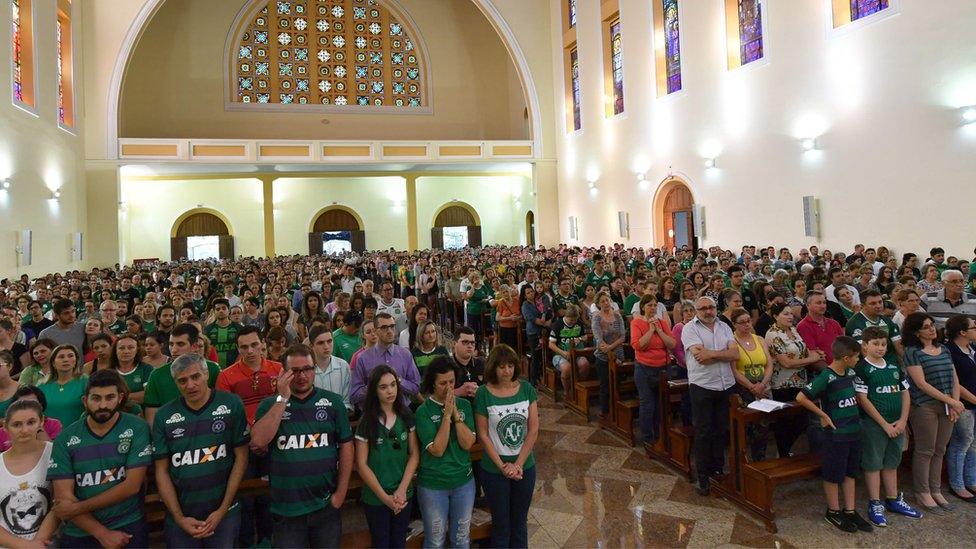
[[303, 369]]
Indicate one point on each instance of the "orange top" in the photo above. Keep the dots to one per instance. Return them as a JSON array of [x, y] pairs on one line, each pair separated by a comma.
[[251, 386], [509, 307], [655, 353]]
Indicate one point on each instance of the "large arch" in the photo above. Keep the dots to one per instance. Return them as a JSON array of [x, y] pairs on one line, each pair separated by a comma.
[[336, 218], [456, 204], [452, 214], [175, 230], [672, 187], [150, 7], [201, 222], [360, 225]]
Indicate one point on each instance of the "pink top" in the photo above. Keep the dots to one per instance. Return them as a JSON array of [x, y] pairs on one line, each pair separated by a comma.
[[679, 349], [51, 426]]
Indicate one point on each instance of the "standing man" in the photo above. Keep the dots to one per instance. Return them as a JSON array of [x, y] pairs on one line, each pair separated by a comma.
[[872, 314], [65, 330], [97, 467], [331, 372], [469, 370], [349, 279], [222, 333], [710, 349], [346, 339], [200, 445], [252, 378], [818, 330], [385, 352], [311, 453], [161, 387]]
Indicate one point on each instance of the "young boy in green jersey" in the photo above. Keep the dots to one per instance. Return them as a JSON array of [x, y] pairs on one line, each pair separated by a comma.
[[882, 392], [841, 450]]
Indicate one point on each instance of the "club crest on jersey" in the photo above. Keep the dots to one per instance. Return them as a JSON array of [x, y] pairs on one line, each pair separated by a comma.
[[296, 442], [125, 441], [175, 418], [199, 455], [97, 478], [221, 410], [219, 426], [73, 441]]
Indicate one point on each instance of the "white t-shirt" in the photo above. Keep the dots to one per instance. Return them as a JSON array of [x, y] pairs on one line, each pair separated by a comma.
[[25, 499]]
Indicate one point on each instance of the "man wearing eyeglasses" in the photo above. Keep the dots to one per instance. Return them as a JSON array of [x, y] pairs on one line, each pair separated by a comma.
[[311, 454], [710, 348], [385, 352], [951, 300]]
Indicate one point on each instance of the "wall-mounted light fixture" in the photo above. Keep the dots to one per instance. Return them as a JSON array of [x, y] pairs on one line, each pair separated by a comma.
[[5, 183], [709, 163], [969, 114], [808, 143], [57, 194]]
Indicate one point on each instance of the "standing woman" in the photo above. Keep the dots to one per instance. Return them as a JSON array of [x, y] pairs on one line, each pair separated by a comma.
[[651, 338], [508, 425], [961, 459], [533, 314], [387, 455], [445, 484], [23, 478], [311, 309], [508, 315], [66, 386], [428, 346], [930, 279], [102, 347], [40, 371], [791, 356], [609, 335], [753, 372], [935, 407], [127, 361]]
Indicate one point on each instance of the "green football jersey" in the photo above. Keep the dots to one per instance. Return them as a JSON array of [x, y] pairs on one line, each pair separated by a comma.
[[136, 379], [598, 280], [199, 446], [161, 387], [97, 464], [453, 467], [508, 423], [345, 345], [858, 323], [883, 385], [387, 458], [559, 301], [305, 452], [838, 400], [224, 341]]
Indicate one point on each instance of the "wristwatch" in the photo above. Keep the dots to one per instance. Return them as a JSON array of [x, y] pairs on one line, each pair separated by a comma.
[[280, 398]]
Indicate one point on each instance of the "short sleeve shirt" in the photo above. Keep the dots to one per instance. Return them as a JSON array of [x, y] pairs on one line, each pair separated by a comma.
[[883, 386], [858, 323], [839, 401], [453, 467], [716, 376], [161, 387], [508, 423], [938, 372], [387, 457]]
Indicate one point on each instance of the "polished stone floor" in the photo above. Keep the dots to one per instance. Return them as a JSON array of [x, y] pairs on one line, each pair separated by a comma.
[[594, 491]]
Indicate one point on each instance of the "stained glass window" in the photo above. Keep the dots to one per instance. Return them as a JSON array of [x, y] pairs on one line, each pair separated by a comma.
[[328, 52], [617, 59], [750, 31], [864, 8], [60, 74], [672, 47], [18, 75], [572, 13], [577, 97]]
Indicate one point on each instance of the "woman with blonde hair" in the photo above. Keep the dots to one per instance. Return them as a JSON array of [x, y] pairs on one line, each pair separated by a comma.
[[428, 345], [66, 385]]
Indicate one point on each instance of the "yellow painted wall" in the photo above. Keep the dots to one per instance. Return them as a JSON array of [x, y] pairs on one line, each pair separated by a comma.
[[491, 197], [151, 208], [174, 86], [39, 157], [298, 200]]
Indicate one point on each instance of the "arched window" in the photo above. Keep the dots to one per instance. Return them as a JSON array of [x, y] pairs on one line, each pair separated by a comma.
[[333, 53]]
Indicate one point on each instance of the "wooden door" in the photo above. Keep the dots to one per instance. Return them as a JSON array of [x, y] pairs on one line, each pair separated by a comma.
[[474, 236], [315, 243], [226, 247], [358, 241], [678, 201], [437, 238], [177, 248]]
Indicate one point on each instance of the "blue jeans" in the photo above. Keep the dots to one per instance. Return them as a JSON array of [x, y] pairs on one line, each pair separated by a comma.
[[648, 380], [509, 501], [447, 515], [322, 528], [961, 454], [224, 536], [138, 530], [387, 529]]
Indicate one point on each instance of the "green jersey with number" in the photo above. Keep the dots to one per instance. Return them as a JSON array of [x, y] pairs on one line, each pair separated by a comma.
[[99, 463], [199, 447]]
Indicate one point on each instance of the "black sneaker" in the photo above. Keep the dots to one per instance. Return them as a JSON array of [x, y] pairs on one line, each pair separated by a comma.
[[858, 521], [839, 521]]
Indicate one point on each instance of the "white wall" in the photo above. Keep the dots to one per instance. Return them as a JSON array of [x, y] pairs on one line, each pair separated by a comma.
[[297, 201], [152, 207], [884, 99], [38, 156]]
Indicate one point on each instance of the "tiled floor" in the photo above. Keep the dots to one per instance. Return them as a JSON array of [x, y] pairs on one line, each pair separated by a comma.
[[594, 491]]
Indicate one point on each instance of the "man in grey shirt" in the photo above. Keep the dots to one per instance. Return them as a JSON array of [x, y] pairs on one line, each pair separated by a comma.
[[65, 329], [710, 349]]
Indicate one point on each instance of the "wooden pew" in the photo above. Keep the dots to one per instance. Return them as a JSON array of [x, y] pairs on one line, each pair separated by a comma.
[[582, 390], [676, 440], [624, 404], [155, 509], [751, 484], [550, 377]]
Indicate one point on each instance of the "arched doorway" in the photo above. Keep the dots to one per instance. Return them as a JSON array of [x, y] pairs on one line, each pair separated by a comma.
[[201, 234], [335, 229], [673, 215], [530, 229], [456, 225]]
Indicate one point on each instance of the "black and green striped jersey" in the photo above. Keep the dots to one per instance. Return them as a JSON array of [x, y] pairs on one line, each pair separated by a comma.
[[305, 451], [97, 464], [199, 447], [838, 399], [224, 341], [883, 386]]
